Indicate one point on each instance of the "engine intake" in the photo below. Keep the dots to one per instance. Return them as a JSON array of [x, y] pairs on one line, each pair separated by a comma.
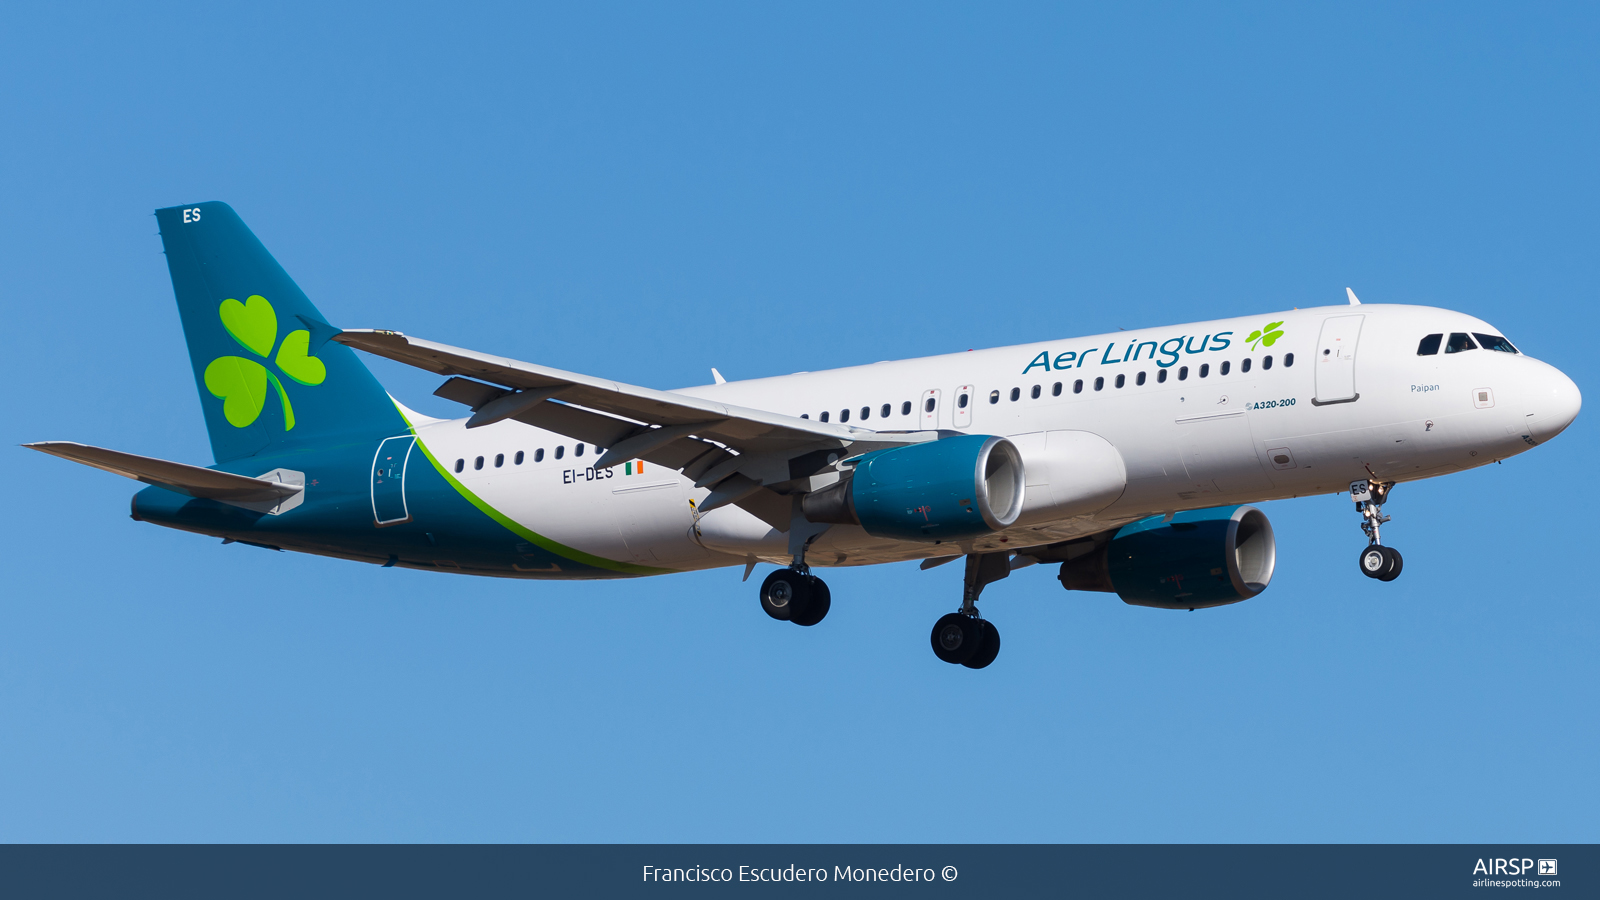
[[936, 491], [1202, 558]]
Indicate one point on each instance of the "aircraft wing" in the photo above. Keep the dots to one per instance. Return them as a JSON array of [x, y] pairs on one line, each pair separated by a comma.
[[195, 481], [736, 450]]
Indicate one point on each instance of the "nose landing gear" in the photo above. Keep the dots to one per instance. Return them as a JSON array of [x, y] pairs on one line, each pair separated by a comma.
[[965, 638], [1376, 560]]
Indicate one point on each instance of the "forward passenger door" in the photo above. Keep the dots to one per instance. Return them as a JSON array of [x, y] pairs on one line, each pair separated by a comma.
[[1336, 360]]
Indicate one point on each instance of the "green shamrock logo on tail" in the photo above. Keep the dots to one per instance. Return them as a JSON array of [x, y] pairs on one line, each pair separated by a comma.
[[242, 382], [1266, 336]]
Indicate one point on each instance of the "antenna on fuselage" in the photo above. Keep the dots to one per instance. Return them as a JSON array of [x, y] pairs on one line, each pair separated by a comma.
[[1353, 300], [718, 376]]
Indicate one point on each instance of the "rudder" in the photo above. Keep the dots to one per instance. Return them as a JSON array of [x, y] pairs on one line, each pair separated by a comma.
[[268, 376]]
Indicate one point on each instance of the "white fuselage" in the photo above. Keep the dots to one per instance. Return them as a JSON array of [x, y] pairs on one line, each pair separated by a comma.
[[1203, 429]]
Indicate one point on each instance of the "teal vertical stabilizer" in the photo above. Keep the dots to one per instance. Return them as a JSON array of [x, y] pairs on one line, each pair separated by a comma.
[[269, 378]]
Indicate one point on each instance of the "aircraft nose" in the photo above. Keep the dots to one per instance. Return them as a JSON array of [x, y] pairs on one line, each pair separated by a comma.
[[1558, 403]]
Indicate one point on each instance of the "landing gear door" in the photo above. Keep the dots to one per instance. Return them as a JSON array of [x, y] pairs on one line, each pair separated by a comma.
[[389, 481], [1336, 360], [962, 411], [930, 409]]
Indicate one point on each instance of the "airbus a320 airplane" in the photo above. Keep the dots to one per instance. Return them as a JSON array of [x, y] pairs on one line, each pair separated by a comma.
[[1123, 458]]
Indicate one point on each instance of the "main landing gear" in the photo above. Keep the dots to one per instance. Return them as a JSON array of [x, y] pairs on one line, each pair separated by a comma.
[[1376, 560], [965, 638], [795, 595]]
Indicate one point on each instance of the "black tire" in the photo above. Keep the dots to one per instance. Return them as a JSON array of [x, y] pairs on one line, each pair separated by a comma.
[[1396, 563], [956, 638], [786, 593], [990, 648], [1373, 561], [817, 609]]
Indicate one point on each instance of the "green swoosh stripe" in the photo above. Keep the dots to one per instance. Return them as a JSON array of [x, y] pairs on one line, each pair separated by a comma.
[[532, 537]]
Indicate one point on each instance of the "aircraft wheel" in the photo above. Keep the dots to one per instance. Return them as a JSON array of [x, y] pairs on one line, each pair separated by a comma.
[[785, 594], [990, 648], [1374, 561], [821, 601], [1395, 565], [956, 638]]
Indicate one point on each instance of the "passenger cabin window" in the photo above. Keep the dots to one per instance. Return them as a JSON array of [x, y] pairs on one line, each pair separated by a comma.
[[1161, 377], [1266, 362], [1055, 391], [1077, 386], [538, 455], [866, 412], [1183, 373], [1225, 366], [499, 460], [1430, 345], [1016, 394], [1099, 383], [928, 407], [1244, 364], [460, 464], [805, 415], [1459, 342], [961, 401], [844, 415], [905, 408], [1288, 360], [883, 412], [824, 417], [477, 463], [994, 396], [560, 450], [578, 450], [1205, 369], [518, 458], [1140, 379], [1494, 342], [1035, 393], [1122, 380]]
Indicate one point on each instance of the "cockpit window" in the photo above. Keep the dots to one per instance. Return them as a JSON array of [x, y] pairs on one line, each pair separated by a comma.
[[1458, 343], [1494, 342], [1429, 345]]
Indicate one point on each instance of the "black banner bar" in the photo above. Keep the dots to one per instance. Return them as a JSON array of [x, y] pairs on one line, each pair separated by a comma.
[[812, 870]]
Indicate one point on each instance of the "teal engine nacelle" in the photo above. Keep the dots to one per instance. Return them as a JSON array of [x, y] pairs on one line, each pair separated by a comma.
[[935, 491], [1201, 558]]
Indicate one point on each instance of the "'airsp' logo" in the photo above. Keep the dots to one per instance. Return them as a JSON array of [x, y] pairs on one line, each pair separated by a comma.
[[242, 382]]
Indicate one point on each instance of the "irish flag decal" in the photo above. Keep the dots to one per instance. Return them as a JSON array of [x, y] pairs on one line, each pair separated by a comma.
[[633, 468]]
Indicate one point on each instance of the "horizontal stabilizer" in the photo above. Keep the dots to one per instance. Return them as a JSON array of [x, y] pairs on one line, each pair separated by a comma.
[[195, 481]]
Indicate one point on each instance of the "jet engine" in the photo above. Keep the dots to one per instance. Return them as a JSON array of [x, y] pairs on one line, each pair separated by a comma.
[[935, 491], [1199, 559]]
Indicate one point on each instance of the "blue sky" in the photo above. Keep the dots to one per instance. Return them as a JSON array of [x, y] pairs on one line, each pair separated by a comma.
[[643, 192]]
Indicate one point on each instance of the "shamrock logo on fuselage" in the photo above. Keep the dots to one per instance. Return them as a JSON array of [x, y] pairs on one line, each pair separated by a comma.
[[1266, 336], [242, 382]]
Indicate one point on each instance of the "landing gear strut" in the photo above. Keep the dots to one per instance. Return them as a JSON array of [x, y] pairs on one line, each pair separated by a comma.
[[965, 638], [1376, 560]]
